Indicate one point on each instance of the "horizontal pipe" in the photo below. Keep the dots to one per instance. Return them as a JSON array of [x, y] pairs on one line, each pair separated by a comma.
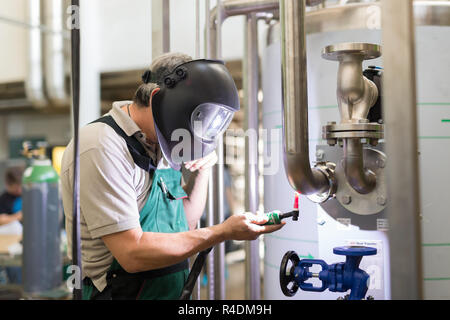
[[239, 7], [42, 28]]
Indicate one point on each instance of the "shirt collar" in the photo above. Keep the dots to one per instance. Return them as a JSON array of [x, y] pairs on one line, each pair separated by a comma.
[[123, 120], [131, 128]]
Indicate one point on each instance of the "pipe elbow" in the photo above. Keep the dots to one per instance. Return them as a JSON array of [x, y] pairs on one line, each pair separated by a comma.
[[360, 178], [304, 179]]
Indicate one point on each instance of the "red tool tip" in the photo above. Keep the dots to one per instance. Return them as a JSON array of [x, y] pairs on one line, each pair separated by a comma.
[[296, 201]]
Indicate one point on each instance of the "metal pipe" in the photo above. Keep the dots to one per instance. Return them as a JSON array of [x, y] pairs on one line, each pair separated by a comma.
[[295, 102], [196, 295], [239, 7], [34, 84], [27, 25], [233, 8], [216, 17], [400, 114], [197, 30], [360, 178], [356, 94], [160, 27], [210, 261], [251, 88], [220, 287], [55, 71], [220, 216]]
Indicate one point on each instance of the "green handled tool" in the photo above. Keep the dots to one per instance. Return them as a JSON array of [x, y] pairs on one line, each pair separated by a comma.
[[275, 217]]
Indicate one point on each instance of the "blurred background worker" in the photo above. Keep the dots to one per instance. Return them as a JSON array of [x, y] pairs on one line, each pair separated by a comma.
[[11, 201], [11, 215]]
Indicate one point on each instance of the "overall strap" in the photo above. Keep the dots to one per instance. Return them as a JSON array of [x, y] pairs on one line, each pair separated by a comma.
[[146, 275], [137, 150]]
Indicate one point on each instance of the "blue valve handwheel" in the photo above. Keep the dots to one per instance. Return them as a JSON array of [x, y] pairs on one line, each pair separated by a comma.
[[355, 251]]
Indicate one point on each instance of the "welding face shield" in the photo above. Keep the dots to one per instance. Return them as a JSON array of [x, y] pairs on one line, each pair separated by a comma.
[[193, 109]]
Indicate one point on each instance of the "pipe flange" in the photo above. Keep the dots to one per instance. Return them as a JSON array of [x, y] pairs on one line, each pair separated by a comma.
[[353, 130], [344, 127], [328, 169], [353, 134], [366, 51]]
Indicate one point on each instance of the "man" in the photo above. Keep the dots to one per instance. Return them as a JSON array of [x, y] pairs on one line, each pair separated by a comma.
[[11, 200], [138, 223]]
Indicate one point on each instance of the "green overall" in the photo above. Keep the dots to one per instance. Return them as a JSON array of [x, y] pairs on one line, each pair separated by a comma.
[[163, 212]]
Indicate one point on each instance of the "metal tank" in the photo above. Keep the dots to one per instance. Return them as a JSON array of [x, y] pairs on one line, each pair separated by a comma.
[[323, 227], [42, 260]]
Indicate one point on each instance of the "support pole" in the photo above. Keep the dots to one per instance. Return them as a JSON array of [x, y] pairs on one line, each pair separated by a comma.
[[76, 242], [251, 88], [400, 107]]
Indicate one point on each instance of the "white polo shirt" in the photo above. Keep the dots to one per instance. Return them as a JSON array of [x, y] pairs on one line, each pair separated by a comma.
[[113, 189]]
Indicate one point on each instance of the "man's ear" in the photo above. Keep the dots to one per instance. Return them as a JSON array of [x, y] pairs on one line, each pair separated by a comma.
[[154, 92]]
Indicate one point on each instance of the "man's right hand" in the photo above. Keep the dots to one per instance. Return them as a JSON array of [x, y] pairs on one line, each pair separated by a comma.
[[247, 226]]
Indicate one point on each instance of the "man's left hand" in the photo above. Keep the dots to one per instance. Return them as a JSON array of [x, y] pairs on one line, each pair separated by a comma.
[[203, 164]]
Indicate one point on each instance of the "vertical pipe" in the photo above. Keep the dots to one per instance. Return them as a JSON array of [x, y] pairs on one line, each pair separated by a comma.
[[55, 67], [197, 30], [196, 293], [210, 203], [210, 262], [399, 84], [219, 214], [160, 27], [34, 84], [251, 87], [295, 101], [90, 96]]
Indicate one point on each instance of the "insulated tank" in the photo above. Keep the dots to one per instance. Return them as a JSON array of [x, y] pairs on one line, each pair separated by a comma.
[[42, 260], [317, 233]]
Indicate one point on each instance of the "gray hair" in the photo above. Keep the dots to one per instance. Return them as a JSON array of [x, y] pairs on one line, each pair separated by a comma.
[[167, 61]]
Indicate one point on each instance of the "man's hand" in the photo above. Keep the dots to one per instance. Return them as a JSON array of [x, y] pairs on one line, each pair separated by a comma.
[[197, 188], [202, 165], [247, 226]]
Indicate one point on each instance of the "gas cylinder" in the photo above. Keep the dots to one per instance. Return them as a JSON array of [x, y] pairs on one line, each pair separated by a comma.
[[42, 259]]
